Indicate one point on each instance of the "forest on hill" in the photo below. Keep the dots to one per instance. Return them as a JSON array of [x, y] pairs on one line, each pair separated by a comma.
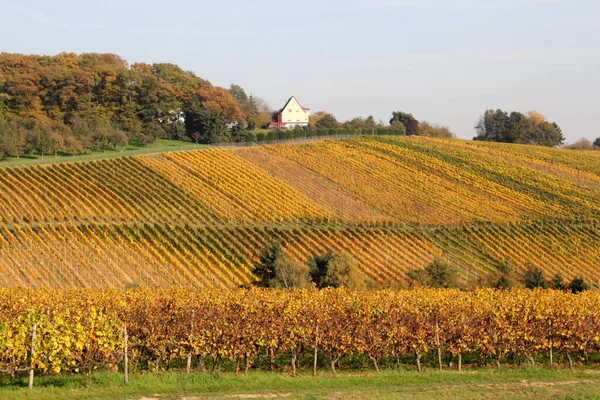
[[395, 204], [71, 104]]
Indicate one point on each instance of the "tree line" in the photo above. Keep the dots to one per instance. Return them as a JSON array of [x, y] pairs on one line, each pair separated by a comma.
[[338, 269], [330, 269], [71, 103], [515, 127]]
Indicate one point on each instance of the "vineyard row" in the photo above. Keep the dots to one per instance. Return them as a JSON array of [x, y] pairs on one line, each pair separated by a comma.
[[80, 329], [162, 255]]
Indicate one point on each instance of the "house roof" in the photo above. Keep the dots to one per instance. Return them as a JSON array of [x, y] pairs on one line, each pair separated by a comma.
[[288, 102]]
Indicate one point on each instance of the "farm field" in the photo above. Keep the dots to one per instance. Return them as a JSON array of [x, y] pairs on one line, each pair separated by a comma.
[[200, 218]]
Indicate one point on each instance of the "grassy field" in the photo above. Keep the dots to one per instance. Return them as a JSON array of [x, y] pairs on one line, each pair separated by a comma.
[[506, 383], [160, 146]]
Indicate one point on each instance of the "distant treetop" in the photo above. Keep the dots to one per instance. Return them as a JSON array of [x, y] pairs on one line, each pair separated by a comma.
[[514, 127]]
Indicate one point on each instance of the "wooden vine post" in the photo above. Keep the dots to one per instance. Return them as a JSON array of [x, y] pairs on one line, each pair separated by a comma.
[[188, 366], [125, 356], [316, 350], [33, 336]]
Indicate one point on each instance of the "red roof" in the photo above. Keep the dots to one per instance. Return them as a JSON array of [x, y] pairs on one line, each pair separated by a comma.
[[288, 102]]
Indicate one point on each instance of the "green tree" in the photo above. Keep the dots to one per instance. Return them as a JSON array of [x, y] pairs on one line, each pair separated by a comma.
[[38, 140], [493, 126], [238, 133], [418, 277], [500, 126], [441, 274], [289, 274], [239, 94], [343, 272], [407, 119], [578, 285], [597, 143], [437, 274], [318, 267], [264, 269], [503, 283], [205, 125], [327, 121], [12, 139], [370, 122], [558, 282], [535, 278], [397, 128]]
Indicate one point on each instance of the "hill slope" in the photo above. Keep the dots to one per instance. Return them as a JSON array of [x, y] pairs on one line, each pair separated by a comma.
[[200, 218]]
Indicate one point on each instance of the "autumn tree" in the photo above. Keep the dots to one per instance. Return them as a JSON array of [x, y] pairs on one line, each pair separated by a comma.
[[342, 271], [582, 144], [143, 100], [433, 130], [12, 139], [327, 121], [221, 100], [313, 118], [355, 124], [289, 274]]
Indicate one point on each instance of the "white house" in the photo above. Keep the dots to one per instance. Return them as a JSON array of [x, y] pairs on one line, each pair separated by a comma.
[[291, 115]]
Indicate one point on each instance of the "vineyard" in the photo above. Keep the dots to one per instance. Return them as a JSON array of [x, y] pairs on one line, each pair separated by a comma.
[[200, 218], [79, 330]]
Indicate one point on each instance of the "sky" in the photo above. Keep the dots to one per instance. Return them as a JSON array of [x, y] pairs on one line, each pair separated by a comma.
[[444, 61]]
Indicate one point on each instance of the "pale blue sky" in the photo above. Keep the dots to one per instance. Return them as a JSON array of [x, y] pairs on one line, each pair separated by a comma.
[[446, 61]]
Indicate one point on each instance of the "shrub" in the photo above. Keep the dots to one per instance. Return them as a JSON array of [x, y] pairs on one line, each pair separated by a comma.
[[557, 282], [578, 285], [437, 274], [289, 274], [397, 128], [342, 272], [264, 269], [433, 130], [318, 267], [282, 134], [441, 274], [261, 137], [251, 136], [535, 278], [299, 133], [503, 283]]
